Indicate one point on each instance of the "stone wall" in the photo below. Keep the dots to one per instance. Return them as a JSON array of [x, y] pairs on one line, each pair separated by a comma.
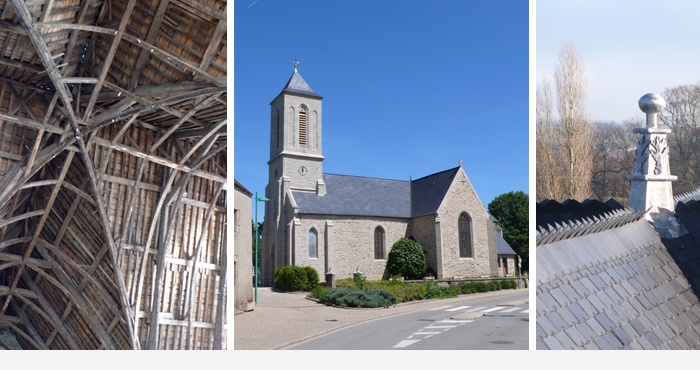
[[352, 244], [462, 198]]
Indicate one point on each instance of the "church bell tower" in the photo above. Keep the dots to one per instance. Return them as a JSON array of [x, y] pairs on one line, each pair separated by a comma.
[[296, 163]]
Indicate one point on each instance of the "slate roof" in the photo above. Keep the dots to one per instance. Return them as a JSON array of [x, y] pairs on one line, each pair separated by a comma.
[[358, 196], [550, 212], [365, 196], [502, 246], [622, 288], [296, 84]]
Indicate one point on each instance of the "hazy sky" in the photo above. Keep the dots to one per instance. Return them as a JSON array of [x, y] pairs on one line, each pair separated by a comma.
[[629, 48], [409, 87]]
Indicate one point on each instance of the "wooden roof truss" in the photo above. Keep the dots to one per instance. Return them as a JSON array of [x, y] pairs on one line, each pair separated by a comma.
[[112, 173]]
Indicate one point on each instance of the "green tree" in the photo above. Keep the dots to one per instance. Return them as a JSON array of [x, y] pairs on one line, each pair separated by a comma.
[[511, 211], [407, 259]]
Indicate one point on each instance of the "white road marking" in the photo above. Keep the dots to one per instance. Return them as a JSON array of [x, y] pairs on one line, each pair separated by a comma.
[[511, 309], [426, 332], [458, 308], [439, 308], [406, 343], [493, 309], [476, 309]]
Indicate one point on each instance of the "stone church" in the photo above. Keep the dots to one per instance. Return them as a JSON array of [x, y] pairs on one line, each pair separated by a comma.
[[344, 224]]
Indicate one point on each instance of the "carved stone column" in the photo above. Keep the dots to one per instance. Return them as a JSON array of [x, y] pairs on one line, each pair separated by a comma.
[[650, 190]]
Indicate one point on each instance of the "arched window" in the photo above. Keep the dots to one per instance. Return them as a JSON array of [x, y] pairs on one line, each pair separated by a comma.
[[313, 243], [302, 127], [465, 236], [378, 243]]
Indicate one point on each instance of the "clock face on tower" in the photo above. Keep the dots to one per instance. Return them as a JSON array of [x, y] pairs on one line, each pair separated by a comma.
[[303, 170]]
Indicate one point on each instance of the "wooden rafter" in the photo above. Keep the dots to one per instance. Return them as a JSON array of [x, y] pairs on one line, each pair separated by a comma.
[[53, 72], [32, 243]]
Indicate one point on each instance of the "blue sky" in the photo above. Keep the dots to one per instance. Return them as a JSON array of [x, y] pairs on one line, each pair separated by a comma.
[[629, 48], [409, 87]]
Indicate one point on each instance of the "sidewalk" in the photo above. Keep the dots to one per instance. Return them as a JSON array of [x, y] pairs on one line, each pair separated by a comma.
[[282, 320]]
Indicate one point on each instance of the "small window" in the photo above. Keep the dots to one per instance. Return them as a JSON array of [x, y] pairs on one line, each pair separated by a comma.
[[302, 127], [278, 130], [379, 243], [465, 236], [313, 243]]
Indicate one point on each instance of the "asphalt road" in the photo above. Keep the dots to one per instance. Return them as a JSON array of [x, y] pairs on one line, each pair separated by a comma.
[[492, 323], [285, 320]]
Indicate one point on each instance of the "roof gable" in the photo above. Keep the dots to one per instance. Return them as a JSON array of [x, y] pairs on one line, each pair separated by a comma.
[[428, 192]]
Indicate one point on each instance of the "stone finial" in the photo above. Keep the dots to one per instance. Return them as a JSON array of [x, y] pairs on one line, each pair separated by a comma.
[[296, 64], [460, 162], [652, 105]]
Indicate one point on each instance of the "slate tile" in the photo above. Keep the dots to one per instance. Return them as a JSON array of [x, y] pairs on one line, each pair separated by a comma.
[[645, 343], [591, 346], [570, 293], [588, 285], [613, 340], [548, 302], [558, 296], [603, 343], [556, 320], [597, 282], [588, 307], [612, 293], [621, 335], [597, 303], [604, 321], [553, 343], [653, 339], [579, 288], [540, 345], [567, 316], [578, 312], [595, 326], [585, 330], [546, 325], [607, 301], [564, 340], [635, 345], [638, 326], [575, 336]]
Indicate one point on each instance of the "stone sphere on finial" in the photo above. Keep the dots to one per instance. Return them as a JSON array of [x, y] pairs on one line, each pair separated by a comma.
[[652, 103]]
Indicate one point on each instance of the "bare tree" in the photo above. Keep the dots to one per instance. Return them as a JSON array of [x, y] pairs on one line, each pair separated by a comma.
[[682, 115], [547, 146], [570, 83], [614, 148]]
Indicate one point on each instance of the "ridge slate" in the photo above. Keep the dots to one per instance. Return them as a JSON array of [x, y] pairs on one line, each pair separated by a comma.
[[624, 288]]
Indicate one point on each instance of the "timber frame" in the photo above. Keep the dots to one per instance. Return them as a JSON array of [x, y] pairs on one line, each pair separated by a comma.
[[113, 173]]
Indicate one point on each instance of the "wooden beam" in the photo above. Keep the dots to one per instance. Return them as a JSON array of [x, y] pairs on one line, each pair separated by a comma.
[[160, 160], [44, 54], [213, 46], [168, 58], [39, 227], [107, 62], [150, 38], [193, 273]]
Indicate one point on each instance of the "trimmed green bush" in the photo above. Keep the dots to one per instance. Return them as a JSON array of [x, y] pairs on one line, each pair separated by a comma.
[[351, 297], [407, 259], [296, 278]]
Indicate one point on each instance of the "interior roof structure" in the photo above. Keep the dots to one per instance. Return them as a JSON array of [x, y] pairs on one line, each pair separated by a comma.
[[112, 173]]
